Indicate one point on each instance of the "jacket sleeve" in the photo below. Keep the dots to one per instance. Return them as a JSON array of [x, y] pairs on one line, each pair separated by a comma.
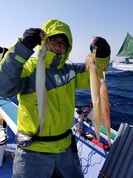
[[11, 68], [82, 77]]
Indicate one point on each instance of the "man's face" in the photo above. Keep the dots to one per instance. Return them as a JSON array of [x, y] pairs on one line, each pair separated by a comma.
[[58, 44]]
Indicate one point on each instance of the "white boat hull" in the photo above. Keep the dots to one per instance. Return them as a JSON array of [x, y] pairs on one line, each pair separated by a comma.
[[122, 66]]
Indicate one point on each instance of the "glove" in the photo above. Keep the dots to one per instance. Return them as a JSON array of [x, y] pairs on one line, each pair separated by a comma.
[[31, 38], [101, 46], [2, 52]]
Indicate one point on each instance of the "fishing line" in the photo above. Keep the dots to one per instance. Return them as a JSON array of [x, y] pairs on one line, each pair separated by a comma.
[[121, 104], [70, 61], [121, 112], [118, 108], [112, 104], [88, 162], [122, 116]]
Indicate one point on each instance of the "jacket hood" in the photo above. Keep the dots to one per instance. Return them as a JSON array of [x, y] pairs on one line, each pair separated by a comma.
[[54, 27]]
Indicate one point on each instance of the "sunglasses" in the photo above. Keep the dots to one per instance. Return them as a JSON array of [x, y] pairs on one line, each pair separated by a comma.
[[55, 41]]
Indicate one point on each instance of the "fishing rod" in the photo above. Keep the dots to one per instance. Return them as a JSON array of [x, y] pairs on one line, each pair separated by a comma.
[[121, 104], [112, 104]]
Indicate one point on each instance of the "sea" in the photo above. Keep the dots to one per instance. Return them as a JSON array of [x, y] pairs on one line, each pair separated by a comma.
[[120, 92]]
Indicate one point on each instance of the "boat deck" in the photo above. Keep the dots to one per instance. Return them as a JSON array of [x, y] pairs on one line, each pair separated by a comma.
[[6, 168], [91, 155]]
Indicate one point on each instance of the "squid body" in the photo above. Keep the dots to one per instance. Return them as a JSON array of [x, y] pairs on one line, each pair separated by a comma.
[[100, 113], [43, 106]]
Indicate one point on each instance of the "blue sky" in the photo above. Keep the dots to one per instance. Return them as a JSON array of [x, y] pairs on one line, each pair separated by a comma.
[[110, 19]]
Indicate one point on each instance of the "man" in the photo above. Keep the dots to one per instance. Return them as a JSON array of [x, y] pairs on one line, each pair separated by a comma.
[[51, 152]]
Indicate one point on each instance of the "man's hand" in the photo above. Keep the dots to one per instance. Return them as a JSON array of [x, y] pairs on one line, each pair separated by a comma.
[[102, 47], [33, 37]]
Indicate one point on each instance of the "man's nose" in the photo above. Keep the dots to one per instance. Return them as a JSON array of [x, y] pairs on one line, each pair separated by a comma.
[[57, 49], [57, 45]]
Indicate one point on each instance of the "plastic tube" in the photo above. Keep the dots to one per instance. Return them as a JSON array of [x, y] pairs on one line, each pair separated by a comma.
[[128, 162], [120, 130], [129, 173], [117, 152], [114, 153], [109, 157], [123, 154]]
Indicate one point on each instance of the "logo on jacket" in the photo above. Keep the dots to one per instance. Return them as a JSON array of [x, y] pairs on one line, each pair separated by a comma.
[[60, 80]]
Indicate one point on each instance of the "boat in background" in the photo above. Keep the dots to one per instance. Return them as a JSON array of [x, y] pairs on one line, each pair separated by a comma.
[[124, 57]]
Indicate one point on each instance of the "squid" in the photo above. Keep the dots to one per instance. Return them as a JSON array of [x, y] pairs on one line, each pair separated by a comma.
[[100, 114], [95, 93], [42, 98], [105, 107]]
